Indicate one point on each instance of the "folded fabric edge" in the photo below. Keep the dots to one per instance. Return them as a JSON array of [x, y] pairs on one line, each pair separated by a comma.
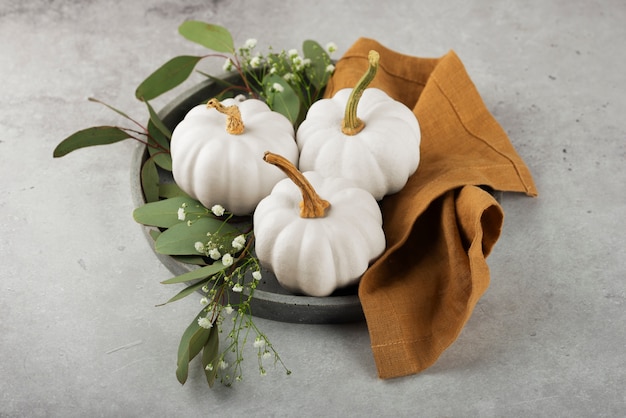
[[457, 87], [397, 355]]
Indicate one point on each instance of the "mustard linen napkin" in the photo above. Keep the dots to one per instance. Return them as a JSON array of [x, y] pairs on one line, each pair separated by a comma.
[[441, 227]]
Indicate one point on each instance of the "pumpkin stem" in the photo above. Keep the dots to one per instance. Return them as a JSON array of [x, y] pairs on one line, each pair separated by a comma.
[[234, 123], [312, 205], [351, 124]]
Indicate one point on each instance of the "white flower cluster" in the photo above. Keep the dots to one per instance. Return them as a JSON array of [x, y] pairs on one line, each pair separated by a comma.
[[240, 276], [290, 65]]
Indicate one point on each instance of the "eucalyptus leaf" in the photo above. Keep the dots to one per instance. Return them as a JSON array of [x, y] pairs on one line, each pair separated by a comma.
[[187, 291], [198, 340], [210, 354], [284, 100], [164, 213], [97, 135], [190, 346], [195, 260], [196, 274], [180, 239], [161, 158], [166, 77], [158, 123], [119, 112], [182, 369], [159, 146], [150, 180], [211, 36], [316, 71], [170, 190]]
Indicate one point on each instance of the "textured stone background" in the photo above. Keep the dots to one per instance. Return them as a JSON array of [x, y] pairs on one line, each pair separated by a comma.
[[78, 280]]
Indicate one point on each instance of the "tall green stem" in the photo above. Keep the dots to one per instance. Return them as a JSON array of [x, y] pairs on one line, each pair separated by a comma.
[[351, 124]]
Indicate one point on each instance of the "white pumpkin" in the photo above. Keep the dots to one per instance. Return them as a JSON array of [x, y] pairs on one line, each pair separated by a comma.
[[315, 246], [224, 165], [361, 134]]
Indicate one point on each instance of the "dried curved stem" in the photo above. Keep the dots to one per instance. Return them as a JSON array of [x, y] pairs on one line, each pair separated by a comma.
[[312, 205], [234, 123]]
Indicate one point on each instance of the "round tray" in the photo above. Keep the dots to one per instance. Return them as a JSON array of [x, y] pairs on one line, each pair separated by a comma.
[[270, 300]]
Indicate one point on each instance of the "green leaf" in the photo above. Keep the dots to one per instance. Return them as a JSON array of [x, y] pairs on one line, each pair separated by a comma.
[[196, 274], [158, 147], [170, 190], [286, 101], [208, 35], [119, 112], [180, 239], [158, 123], [192, 341], [164, 213], [210, 354], [190, 259], [97, 135], [161, 158], [316, 71], [150, 180], [186, 291], [166, 77]]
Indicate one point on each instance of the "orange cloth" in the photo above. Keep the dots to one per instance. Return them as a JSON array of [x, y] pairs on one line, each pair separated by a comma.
[[440, 228]]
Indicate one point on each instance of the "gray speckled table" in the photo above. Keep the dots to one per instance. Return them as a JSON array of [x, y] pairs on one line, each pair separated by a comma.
[[79, 331]]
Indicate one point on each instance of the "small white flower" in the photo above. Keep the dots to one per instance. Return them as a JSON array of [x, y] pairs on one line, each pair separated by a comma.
[[228, 309], [278, 88], [199, 247], [259, 342], [288, 76], [181, 214], [227, 260], [239, 242], [306, 62], [228, 65], [331, 47], [266, 355], [214, 253], [250, 43], [297, 61], [209, 367], [255, 62], [273, 70], [292, 53], [205, 322], [204, 301], [218, 210], [256, 275], [237, 288], [330, 68], [223, 365]]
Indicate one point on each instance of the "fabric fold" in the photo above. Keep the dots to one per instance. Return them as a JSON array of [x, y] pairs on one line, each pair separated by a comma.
[[442, 225]]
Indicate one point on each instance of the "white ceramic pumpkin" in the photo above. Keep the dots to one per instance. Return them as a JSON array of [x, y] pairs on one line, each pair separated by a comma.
[[224, 165], [361, 134], [315, 246]]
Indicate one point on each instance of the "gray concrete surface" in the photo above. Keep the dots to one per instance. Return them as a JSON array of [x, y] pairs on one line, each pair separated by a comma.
[[80, 335]]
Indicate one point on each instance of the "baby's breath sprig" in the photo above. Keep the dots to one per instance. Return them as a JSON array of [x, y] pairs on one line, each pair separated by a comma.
[[285, 73], [227, 294]]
